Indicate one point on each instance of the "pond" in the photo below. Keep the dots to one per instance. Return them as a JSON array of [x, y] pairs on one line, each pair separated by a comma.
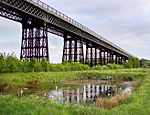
[[89, 91], [77, 91]]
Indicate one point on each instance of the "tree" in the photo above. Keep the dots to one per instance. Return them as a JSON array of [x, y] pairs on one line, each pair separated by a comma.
[[2, 64], [32, 64], [144, 61], [145, 66], [11, 64], [45, 65], [25, 65]]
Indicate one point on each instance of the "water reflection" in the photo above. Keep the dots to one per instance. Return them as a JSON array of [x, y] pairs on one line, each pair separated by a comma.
[[85, 93], [127, 90]]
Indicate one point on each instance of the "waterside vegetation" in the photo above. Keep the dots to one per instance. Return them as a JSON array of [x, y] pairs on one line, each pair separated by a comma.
[[137, 103], [17, 74]]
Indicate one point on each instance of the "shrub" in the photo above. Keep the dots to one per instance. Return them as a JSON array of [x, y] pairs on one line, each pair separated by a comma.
[[132, 63], [144, 61], [32, 65], [98, 67], [145, 66], [105, 67], [44, 65], [111, 66], [38, 67], [2, 64], [116, 66], [11, 63], [25, 65]]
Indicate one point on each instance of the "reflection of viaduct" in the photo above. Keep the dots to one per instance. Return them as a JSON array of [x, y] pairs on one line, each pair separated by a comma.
[[38, 19]]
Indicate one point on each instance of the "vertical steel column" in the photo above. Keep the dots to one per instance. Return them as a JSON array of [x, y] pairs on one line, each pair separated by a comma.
[[75, 51], [107, 57], [116, 61], [80, 56], [95, 56], [127, 59], [65, 50], [124, 60], [100, 56], [112, 58], [46, 44], [91, 63], [121, 60], [87, 53], [104, 58], [70, 50]]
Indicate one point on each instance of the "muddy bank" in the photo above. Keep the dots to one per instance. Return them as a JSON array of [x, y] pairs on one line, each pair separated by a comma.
[[86, 82]]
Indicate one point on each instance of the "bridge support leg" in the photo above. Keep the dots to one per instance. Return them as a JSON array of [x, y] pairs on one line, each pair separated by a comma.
[[116, 59], [34, 42], [112, 57], [108, 57], [90, 54], [100, 56], [91, 62], [121, 60], [124, 59], [73, 49], [95, 56], [87, 54], [104, 57]]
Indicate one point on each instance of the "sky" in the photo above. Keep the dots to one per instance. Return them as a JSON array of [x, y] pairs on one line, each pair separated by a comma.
[[126, 23]]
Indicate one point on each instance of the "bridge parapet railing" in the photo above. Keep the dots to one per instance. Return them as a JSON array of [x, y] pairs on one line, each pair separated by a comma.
[[65, 17]]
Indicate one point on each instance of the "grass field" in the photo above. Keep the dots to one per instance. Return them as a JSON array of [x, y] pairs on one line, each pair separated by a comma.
[[136, 104]]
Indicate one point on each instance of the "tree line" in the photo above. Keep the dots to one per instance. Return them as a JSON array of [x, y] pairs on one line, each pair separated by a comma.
[[10, 64]]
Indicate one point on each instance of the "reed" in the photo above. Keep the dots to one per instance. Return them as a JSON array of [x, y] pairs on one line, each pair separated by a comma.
[[104, 103], [136, 85]]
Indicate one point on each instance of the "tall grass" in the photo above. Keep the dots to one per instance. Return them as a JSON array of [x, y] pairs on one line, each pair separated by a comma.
[[104, 103], [21, 79]]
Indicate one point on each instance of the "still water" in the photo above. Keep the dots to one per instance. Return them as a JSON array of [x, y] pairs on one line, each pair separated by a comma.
[[84, 93], [76, 91]]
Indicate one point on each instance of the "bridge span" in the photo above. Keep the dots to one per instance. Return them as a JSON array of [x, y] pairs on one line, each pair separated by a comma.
[[38, 18]]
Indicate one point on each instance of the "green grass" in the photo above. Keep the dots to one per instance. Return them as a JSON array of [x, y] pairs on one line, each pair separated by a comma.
[[137, 104], [22, 79]]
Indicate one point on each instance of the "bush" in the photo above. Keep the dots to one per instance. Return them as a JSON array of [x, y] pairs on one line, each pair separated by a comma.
[[105, 67], [111, 66], [132, 63], [44, 65], [11, 63], [144, 61], [98, 67], [145, 66], [2, 64], [25, 65], [38, 67], [32, 65]]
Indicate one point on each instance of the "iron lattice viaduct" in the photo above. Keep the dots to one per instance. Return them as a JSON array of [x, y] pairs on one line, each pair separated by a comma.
[[38, 18]]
